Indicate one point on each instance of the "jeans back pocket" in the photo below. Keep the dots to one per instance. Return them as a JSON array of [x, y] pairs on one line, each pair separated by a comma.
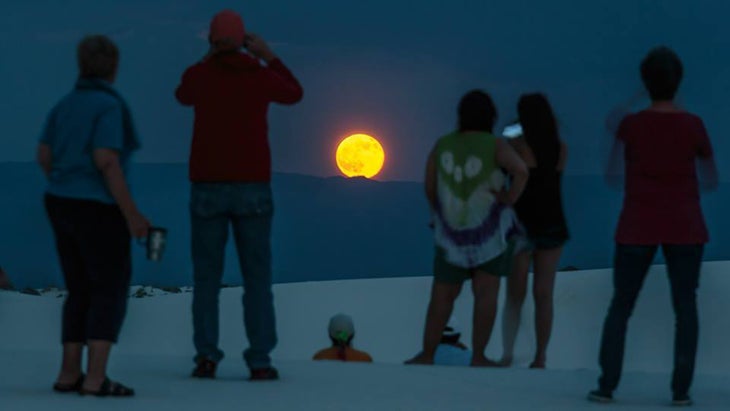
[[208, 200], [252, 199]]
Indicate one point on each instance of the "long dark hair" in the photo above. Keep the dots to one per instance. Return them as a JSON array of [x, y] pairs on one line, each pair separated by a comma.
[[342, 347], [477, 112], [540, 129]]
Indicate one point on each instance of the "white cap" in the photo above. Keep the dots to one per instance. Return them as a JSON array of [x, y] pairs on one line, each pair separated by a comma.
[[341, 327]]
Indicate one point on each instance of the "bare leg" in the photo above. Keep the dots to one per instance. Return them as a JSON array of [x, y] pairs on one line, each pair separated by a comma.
[[486, 290], [71, 366], [546, 264], [516, 292], [443, 296], [98, 358]]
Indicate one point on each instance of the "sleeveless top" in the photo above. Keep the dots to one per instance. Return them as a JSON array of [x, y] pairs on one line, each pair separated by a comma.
[[540, 207], [469, 224]]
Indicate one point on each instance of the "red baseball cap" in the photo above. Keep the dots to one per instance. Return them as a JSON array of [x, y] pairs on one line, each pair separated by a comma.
[[227, 26]]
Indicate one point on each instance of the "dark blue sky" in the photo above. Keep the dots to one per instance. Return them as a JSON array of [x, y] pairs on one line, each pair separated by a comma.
[[382, 67]]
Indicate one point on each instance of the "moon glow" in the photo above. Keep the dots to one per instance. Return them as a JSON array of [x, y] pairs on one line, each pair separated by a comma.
[[360, 155]]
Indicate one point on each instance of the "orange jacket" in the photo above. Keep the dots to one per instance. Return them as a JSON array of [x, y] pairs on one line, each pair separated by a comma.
[[351, 355]]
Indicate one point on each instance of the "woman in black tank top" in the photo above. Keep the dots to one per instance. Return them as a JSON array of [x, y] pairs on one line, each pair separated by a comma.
[[540, 209]]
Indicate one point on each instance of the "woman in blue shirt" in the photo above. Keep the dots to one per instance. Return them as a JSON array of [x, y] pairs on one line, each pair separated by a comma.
[[85, 150]]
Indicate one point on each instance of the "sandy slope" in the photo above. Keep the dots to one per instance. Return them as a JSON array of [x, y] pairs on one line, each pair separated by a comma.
[[162, 384], [155, 350]]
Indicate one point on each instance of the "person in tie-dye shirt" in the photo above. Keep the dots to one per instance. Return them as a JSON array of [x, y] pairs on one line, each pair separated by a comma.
[[474, 224]]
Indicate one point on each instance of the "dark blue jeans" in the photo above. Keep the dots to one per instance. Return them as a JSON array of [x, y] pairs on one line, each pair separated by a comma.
[[248, 208], [631, 265]]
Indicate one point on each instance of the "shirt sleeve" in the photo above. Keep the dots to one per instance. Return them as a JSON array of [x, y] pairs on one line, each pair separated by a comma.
[[615, 171], [704, 147], [281, 84], [109, 130], [186, 92], [622, 133], [49, 128]]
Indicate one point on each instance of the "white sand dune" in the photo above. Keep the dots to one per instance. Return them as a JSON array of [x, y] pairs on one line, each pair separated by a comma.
[[155, 351]]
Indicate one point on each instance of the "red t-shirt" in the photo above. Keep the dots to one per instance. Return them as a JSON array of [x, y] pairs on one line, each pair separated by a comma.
[[662, 199], [231, 94]]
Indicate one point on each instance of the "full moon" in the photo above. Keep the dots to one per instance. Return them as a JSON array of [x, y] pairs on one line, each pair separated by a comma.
[[360, 155]]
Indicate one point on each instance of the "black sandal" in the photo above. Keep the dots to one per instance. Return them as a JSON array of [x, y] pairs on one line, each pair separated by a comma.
[[66, 388], [110, 389]]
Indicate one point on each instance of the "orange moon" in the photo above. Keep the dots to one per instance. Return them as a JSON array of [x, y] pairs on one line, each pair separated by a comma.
[[360, 155]]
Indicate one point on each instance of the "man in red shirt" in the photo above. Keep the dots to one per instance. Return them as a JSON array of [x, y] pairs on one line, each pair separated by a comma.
[[230, 171], [663, 148]]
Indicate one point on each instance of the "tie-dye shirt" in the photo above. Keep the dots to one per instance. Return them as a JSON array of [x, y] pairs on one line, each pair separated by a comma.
[[470, 225]]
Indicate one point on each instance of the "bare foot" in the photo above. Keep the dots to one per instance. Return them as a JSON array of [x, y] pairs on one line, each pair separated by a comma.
[[538, 365], [505, 362], [92, 385], [67, 378], [420, 359], [483, 362]]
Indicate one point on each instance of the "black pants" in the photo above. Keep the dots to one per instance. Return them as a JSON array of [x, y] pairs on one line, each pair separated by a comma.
[[94, 248], [631, 265]]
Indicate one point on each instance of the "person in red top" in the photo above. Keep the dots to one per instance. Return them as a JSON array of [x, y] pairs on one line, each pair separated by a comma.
[[668, 157], [230, 170]]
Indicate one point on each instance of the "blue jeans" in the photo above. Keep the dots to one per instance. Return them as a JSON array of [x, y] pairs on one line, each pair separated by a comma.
[[248, 208], [631, 265]]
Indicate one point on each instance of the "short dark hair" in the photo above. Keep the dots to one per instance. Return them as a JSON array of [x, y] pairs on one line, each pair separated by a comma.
[[97, 56], [662, 71], [477, 112]]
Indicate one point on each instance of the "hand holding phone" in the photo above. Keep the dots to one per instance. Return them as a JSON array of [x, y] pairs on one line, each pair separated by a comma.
[[512, 131], [258, 47]]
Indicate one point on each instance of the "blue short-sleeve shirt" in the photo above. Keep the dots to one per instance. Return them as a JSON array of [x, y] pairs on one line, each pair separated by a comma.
[[84, 120]]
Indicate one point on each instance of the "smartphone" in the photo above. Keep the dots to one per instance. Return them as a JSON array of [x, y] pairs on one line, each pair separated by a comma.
[[512, 131]]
